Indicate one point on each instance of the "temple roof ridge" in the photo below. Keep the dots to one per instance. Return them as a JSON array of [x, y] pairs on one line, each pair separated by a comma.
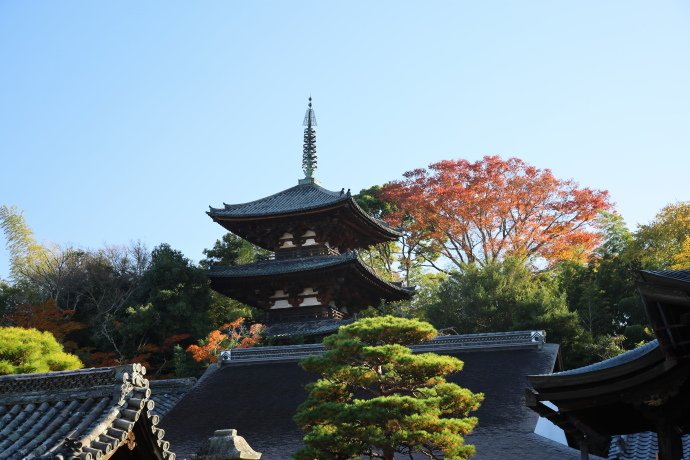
[[84, 414], [300, 197], [283, 200], [624, 358]]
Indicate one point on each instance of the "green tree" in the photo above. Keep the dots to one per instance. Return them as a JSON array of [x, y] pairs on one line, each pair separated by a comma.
[[176, 298], [602, 291], [231, 250], [682, 259], [502, 296], [395, 261], [26, 254], [407, 404], [24, 351], [381, 257], [10, 297], [660, 244], [506, 296], [174, 302], [228, 251]]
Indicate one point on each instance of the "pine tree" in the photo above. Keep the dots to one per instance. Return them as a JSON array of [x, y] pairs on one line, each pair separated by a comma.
[[376, 398]]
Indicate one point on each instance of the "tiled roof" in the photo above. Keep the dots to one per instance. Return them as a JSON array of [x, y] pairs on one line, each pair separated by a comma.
[[298, 198], [678, 275], [440, 344], [624, 358], [271, 268], [259, 401], [166, 393], [306, 328], [279, 266], [640, 446], [305, 197], [84, 414]]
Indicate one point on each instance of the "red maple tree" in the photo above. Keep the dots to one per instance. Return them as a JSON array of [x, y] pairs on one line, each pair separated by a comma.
[[230, 335], [46, 317], [494, 208]]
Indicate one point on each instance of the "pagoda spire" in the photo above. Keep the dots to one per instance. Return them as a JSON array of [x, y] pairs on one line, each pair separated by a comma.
[[309, 162]]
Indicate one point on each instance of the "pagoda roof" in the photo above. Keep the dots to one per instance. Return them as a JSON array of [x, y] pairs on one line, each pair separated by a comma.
[[298, 202], [295, 199], [264, 273], [307, 328], [281, 266]]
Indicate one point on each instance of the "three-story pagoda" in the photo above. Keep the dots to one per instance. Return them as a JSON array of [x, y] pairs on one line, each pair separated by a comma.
[[314, 234]]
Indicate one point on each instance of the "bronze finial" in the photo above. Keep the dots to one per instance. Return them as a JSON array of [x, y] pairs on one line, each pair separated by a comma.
[[309, 162]]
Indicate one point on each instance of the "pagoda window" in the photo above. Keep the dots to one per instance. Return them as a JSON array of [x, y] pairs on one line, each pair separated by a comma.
[[309, 301], [287, 241], [309, 238], [282, 303], [279, 293]]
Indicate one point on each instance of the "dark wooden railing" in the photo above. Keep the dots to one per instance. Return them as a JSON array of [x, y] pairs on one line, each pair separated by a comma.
[[299, 253]]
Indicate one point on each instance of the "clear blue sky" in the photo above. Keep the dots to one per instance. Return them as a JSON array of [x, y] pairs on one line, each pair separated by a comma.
[[124, 120]]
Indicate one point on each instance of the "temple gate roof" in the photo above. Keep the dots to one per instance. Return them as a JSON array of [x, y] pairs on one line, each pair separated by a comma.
[[88, 414]]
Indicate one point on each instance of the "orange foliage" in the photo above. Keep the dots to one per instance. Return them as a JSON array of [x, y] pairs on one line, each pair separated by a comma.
[[494, 208], [231, 335], [45, 317]]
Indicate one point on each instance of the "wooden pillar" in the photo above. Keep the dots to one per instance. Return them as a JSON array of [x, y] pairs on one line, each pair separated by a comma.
[[584, 448], [669, 440]]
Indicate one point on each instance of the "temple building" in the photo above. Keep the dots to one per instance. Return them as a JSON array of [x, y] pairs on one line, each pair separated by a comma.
[[314, 279], [637, 397]]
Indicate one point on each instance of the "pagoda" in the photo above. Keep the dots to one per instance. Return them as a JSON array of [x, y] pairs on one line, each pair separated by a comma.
[[314, 276]]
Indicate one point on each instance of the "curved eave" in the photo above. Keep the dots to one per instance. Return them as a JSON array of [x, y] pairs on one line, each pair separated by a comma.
[[632, 363], [296, 199], [262, 273], [380, 225], [295, 203], [670, 278]]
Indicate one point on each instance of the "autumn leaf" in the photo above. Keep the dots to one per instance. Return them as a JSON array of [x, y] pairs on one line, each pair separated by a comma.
[[493, 209]]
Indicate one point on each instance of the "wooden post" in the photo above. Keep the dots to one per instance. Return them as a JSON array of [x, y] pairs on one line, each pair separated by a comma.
[[669, 440], [584, 448]]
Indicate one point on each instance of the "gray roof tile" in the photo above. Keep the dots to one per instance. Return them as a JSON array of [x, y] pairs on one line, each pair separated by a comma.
[[307, 328], [280, 266], [627, 357], [167, 393], [678, 275], [299, 265], [640, 446], [298, 198], [74, 414]]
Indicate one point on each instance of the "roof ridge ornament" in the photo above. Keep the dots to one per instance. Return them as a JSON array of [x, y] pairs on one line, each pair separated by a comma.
[[309, 162]]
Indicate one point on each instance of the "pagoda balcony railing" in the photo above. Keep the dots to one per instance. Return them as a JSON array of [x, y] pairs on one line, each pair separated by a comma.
[[450, 343], [300, 253], [294, 315]]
